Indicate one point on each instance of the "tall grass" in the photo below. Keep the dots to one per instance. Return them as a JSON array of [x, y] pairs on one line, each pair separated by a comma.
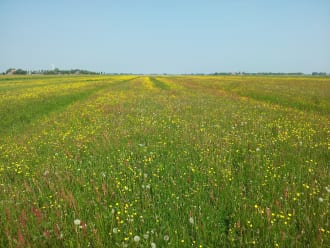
[[123, 161]]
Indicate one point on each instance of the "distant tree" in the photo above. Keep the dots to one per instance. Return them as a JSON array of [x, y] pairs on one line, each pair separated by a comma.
[[319, 73], [20, 72]]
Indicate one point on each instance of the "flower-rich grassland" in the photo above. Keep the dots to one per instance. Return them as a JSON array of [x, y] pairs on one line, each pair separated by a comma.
[[185, 161]]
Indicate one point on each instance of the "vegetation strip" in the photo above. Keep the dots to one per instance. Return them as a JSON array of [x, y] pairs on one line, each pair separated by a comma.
[[158, 83]]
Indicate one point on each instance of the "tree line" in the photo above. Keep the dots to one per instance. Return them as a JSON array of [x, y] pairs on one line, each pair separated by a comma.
[[56, 71]]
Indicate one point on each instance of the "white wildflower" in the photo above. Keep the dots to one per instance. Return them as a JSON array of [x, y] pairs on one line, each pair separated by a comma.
[[136, 238], [77, 222], [327, 189]]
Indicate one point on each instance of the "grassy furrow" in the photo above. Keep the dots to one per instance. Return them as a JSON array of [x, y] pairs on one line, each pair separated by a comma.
[[18, 115], [158, 83], [304, 94]]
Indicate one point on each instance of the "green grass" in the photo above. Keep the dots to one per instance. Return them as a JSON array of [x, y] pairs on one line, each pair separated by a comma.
[[159, 83], [202, 161]]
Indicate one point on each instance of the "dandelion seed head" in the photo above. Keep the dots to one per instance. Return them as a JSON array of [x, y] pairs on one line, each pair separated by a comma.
[[136, 238], [327, 189], [77, 222]]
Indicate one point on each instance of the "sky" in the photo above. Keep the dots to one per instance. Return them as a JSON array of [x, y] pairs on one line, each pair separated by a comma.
[[169, 36]]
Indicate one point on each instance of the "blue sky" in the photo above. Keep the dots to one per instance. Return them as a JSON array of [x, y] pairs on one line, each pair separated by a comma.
[[169, 36]]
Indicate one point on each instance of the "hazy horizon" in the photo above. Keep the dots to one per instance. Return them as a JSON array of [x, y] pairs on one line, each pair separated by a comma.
[[173, 37]]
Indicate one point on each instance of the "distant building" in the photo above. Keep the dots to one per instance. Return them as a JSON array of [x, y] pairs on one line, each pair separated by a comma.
[[11, 72]]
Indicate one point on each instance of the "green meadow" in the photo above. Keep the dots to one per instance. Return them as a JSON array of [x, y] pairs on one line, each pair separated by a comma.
[[164, 161]]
